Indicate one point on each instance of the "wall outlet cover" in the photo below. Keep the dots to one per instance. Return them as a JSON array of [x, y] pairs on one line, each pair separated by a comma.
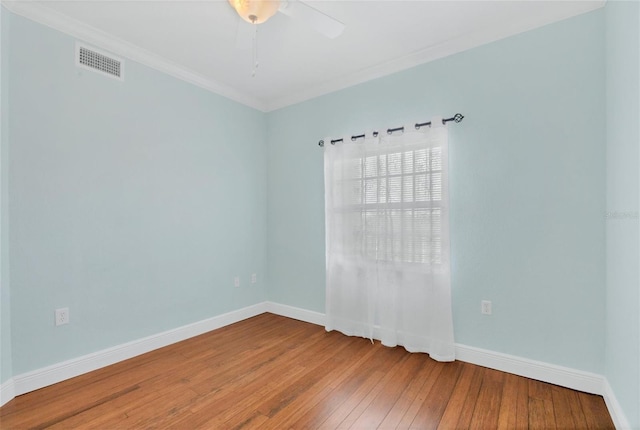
[[485, 307], [62, 316]]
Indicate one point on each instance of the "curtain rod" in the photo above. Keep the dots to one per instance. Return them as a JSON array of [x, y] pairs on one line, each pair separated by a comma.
[[456, 118]]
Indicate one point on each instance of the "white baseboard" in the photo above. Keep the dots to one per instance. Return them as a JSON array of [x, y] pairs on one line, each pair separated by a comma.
[[615, 410], [541, 371], [296, 313], [7, 391], [558, 375], [58, 372]]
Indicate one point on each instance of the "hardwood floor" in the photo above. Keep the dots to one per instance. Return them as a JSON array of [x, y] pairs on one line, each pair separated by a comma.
[[271, 372]]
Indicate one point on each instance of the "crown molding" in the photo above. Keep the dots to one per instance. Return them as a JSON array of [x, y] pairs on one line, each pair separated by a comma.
[[50, 18], [444, 49], [100, 39]]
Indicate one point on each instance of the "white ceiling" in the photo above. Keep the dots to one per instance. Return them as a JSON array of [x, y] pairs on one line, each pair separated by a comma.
[[195, 40]]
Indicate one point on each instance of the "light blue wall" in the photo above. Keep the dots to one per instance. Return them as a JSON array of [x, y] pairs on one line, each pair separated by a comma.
[[133, 203], [623, 137], [527, 187], [5, 296]]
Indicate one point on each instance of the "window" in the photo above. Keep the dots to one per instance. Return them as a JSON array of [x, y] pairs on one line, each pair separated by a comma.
[[394, 201]]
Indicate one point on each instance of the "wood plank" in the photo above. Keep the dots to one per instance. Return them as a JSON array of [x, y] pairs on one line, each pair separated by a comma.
[[562, 408], [469, 405], [334, 419], [337, 375], [432, 409], [487, 409], [537, 416], [249, 387], [366, 402], [416, 404], [451, 414], [361, 398], [573, 398], [522, 412], [408, 396], [507, 416], [377, 410], [338, 391], [71, 413], [232, 411], [541, 411], [595, 412], [151, 410]]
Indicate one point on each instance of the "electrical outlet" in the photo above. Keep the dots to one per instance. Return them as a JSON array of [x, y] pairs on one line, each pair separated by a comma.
[[254, 278], [485, 307], [236, 281], [62, 316]]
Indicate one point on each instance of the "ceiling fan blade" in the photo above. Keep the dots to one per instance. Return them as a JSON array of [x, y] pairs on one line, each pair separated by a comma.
[[312, 17], [244, 34]]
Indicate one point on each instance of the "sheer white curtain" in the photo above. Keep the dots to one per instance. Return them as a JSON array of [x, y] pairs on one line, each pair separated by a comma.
[[387, 240]]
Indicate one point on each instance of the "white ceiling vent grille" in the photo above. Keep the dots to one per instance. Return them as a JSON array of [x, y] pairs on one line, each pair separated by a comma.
[[93, 59]]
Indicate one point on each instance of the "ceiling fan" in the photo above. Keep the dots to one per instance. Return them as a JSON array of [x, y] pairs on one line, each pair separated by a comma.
[[258, 11]]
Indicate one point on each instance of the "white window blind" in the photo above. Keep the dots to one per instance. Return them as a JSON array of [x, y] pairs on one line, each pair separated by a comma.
[[395, 199]]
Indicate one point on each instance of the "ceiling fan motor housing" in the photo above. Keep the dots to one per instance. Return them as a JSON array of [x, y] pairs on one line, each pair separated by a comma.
[[255, 11]]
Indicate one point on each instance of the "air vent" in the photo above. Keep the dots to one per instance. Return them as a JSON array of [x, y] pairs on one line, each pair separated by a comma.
[[92, 59]]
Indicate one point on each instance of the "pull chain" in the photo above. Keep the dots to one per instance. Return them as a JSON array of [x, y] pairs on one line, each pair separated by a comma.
[[254, 47]]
